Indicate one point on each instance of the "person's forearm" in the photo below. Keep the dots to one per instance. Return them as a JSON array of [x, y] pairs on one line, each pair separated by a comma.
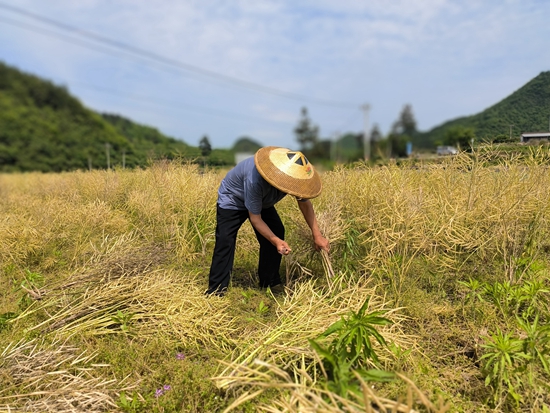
[[259, 224]]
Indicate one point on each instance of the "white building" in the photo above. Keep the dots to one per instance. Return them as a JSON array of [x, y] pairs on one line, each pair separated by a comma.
[[241, 156], [527, 136]]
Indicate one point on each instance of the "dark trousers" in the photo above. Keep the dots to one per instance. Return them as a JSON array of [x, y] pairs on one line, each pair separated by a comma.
[[228, 223]]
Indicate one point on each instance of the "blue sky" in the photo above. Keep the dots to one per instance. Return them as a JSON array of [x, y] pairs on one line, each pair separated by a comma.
[[236, 68]]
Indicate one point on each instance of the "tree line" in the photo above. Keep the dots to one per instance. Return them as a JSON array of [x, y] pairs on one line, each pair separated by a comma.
[[525, 110], [44, 128]]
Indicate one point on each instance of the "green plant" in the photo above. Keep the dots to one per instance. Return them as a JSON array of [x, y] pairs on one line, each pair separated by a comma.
[[352, 349], [534, 295], [475, 293], [130, 404], [32, 279], [30, 286], [124, 320], [536, 344], [523, 299], [247, 295], [263, 308], [4, 320], [502, 364], [502, 296]]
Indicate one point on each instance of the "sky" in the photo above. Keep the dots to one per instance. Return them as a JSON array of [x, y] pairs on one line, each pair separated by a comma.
[[229, 69]]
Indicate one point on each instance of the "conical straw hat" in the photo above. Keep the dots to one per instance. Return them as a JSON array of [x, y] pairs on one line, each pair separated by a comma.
[[288, 171]]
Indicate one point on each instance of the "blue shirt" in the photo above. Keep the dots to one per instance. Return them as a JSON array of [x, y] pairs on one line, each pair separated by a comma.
[[243, 188]]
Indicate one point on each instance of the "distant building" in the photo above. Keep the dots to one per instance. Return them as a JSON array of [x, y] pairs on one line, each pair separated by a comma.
[[446, 150], [241, 156], [527, 136]]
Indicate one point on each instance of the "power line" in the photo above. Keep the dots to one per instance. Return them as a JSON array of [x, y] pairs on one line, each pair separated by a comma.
[[349, 121], [172, 104], [142, 98], [207, 74], [78, 42]]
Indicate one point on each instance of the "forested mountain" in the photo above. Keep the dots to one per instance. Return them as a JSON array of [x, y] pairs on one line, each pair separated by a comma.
[[44, 128], [147, 141], [527, 109]]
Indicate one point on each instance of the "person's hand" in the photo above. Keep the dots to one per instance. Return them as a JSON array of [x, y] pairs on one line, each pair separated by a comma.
[[321, 243], [282, 247]]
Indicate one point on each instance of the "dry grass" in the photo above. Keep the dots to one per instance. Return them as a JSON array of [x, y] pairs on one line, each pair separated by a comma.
[[446, 212], [130, 294], [298, 391], [126, 253], [305, 311], [54, 377]]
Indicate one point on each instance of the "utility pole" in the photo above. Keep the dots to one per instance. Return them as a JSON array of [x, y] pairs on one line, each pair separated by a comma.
[[124, 159], [511, 131], [366, 137], [107, 147]]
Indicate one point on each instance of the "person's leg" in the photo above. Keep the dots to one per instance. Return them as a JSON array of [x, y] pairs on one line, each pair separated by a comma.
[[228, 223], [270, 259]]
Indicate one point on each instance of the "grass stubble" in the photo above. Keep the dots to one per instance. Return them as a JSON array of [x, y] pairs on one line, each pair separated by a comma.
[[103, 275]]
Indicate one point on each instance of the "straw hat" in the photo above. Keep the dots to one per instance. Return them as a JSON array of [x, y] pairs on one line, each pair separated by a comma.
[[288, 171]]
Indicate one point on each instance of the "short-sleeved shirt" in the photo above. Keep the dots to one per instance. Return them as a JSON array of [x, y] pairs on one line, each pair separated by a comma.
[[243, 188]]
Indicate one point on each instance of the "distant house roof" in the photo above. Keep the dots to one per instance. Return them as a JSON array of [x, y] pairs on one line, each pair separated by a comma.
[[534, 135], [241, 156]]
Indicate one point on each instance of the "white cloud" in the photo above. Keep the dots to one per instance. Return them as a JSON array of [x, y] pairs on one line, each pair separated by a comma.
[[447, 58]]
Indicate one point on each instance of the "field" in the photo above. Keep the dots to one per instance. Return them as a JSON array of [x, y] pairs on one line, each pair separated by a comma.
[[435, 295]]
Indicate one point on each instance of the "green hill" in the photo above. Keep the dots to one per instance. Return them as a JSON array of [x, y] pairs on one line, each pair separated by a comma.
[[246, 144], [147, 141], [44, 128], [527, 109]]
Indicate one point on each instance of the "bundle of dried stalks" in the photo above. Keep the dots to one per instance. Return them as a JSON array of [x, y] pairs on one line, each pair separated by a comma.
[[304, 313], [134, 297], [327, 265], [332, 226], [298, 391], [54, 377]]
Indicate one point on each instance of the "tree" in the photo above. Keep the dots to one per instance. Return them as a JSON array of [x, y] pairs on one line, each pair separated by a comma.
[[403, 129], [406, 124], [459, 136], [204, 146], [375, 134], [397, 145], [307, 134]]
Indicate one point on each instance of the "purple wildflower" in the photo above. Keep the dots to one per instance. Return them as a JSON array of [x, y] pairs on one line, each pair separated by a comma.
[[159, 393], [167, 387], [180, 356]]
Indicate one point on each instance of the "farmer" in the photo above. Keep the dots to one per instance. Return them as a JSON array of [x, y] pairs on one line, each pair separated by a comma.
[[250, 191]]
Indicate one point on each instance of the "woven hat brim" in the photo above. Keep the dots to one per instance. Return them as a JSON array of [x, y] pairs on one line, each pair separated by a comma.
[[302, 188]]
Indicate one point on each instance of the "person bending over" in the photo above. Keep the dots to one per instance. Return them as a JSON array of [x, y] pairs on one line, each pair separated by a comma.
[[250, 191]]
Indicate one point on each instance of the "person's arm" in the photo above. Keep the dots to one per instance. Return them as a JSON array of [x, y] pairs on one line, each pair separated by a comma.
[[321, 243], [259, 224]]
